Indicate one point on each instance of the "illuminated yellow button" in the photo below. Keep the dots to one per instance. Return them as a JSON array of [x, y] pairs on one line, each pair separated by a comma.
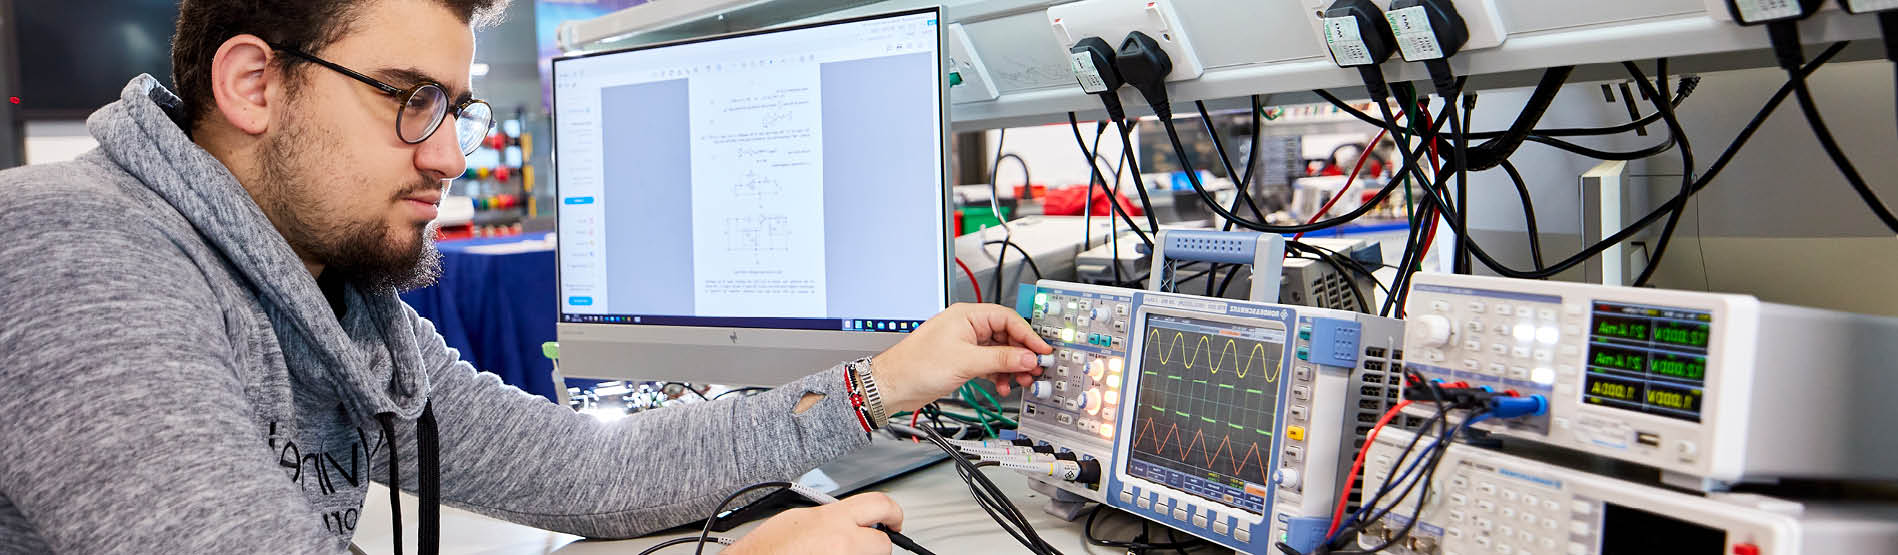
[[1067, 335], [1295, 433], [1115, 364], [1112, 397]]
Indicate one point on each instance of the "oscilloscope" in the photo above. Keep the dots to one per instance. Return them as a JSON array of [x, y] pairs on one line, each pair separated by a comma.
[[1712, 388], [1485, 501], [1226, 419]]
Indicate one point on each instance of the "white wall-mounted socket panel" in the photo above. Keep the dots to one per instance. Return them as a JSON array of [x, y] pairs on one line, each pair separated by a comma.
[[963, 62], [1113, 20], [1481, 16]]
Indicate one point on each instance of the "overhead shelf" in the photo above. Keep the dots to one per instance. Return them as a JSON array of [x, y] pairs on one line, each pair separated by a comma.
[[1264, 48]]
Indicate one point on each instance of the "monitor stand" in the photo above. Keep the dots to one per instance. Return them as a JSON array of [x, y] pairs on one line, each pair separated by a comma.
[[884, 458]]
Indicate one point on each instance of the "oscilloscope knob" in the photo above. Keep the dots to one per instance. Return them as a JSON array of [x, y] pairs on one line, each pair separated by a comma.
[[1432, 329], [1091, 401], [1041, 389], [1286, 477], [1100, 313]]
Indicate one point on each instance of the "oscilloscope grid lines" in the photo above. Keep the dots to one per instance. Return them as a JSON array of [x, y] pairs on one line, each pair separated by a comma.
[[1204, 345], [1180, 386]]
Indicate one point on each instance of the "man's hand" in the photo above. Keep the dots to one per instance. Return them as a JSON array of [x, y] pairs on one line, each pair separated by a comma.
[[965, 342], [844, 528]]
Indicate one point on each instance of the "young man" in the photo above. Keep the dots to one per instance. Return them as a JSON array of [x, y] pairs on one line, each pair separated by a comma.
[[202, 350]]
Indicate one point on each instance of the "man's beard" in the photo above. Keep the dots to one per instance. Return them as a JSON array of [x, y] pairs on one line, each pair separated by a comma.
[[365, 253]]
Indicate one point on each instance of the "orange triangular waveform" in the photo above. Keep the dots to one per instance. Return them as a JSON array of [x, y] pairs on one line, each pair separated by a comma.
[[1252, 456]]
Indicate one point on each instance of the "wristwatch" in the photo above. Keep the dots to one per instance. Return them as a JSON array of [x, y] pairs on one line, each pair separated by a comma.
[[862, 371]]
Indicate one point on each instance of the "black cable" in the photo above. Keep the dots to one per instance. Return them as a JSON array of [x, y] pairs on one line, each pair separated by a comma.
[[1087, 200], [1113, 200], [1006, 244], [1459, 157], [1027, 185], [1528, 212], [705, 534], [1705, 179], [744, 390], [1343, 272], [1786, 41], [1140, 185], [1598, 154], [1137, 544], [1372, 514], [1683, 89], [1351, 263], [992, 500], [995, 203], [1369, 507], [677, 541], [1239, 181], [1677, 134]]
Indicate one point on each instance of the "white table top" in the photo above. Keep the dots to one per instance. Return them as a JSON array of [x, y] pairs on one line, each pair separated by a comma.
[[938, 513]]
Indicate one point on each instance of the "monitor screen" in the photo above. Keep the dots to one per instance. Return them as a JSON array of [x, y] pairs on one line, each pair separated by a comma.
[[787, 179], [77, 55], [1207, 407]]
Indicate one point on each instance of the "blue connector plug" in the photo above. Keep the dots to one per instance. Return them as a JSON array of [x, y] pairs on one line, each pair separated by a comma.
[[1515, 407]]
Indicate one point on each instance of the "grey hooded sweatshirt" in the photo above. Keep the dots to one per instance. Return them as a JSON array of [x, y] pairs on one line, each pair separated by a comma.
[[173, 380]]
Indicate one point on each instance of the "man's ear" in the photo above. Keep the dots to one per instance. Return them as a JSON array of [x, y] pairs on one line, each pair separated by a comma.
[[242, 80]]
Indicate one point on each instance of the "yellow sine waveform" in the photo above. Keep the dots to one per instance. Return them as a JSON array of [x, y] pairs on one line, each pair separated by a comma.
[[1227, 353]]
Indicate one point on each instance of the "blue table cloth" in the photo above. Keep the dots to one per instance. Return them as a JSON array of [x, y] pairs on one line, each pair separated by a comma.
[[496, 308]]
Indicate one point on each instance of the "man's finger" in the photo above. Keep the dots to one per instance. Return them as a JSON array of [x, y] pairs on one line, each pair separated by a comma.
[[1004, 322], [871, 540], [870, 509]]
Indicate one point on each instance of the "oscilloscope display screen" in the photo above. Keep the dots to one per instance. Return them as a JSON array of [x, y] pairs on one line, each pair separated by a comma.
[[1206, 408]]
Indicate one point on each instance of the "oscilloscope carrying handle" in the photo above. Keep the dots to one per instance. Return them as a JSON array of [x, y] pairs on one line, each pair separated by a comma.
[[1265, 252]]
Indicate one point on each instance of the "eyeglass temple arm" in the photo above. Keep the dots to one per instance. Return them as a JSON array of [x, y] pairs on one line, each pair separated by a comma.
[[384, 87]]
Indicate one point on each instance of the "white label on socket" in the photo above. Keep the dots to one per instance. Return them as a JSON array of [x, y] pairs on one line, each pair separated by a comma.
[[1415, 38], [1863, 6], [1767, 10], [1086, 73], [1346, 42]]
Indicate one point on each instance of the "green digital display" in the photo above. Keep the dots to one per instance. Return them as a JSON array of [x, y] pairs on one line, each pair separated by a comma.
[[1650, 359], [1618, 359], [1621, 328], [1677, 366], [1685, 334]]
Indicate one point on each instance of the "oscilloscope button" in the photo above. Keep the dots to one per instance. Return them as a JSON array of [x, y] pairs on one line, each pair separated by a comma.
[[1301, 393], [1303, 373]]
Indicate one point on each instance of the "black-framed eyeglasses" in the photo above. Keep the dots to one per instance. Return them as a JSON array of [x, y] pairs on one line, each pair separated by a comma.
[[423, 108]]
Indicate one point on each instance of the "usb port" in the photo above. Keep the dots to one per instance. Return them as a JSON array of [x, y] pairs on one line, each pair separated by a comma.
[[1377, 352], [1371, 404], [1650, 440], [1373, 365], [1397, 354], [1367, 417], [1371, 391]]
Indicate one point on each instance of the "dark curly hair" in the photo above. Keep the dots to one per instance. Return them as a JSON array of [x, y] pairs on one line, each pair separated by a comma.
[[307, 25]]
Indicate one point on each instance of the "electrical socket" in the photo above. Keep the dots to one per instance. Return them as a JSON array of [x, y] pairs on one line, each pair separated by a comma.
[[963, 61], [1481, 16], [1717, 9], [1113, 20]]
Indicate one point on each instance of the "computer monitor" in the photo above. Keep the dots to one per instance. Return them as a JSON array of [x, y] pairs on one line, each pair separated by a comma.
[[751, 208]]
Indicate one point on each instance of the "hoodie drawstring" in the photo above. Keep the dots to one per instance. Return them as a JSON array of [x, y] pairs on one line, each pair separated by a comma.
[[428, 479]]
